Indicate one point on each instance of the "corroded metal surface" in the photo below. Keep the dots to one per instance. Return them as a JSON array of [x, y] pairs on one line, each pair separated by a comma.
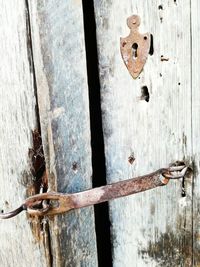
[[135, 47], [119, 189], [52, 203]]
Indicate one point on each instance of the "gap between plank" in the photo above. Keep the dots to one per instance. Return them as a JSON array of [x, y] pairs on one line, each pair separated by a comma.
[[102, 222]]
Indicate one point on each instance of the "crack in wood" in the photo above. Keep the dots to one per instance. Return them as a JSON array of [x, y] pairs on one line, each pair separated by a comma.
[[40, 228]]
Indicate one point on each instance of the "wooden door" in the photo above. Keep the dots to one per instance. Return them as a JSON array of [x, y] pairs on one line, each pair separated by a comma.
[[62, 74], [153, 228]]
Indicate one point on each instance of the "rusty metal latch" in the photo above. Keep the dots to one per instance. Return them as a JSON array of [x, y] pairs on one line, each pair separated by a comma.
[[135, 47], [53, 203]]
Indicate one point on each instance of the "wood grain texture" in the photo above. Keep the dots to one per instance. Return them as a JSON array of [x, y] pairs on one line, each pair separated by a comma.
[[152, 228], [18, 246], [59, 56], [195, 37]]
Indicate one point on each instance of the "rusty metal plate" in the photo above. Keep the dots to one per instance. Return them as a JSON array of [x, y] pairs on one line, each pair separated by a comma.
[[135, 47]]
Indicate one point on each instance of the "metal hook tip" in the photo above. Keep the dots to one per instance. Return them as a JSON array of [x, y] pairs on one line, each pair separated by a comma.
[[13, 213]]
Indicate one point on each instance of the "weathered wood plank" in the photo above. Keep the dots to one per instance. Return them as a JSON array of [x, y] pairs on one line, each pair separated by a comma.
[[195, 37], [59, 56], [18, 246], [153, 228]]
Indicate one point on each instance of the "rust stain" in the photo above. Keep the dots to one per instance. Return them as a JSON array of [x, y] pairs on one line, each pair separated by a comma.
[[36, 155], [37, 166], [39, 182], [36, 227], [39, 225]]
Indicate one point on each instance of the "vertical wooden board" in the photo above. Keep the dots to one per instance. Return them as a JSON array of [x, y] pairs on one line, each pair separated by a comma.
[[18, 246], [195, 37], [152, 228], [59, 57]]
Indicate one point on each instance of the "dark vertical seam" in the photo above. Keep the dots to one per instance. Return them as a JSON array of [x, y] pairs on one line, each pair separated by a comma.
[[102, 222]]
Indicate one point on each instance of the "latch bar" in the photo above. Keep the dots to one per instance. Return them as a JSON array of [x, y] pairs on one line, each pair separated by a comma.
[[52, 203]]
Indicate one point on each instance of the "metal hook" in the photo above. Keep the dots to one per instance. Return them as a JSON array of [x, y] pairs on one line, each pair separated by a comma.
[[31, 207], [52, 203], [13, 213], [181, 169]]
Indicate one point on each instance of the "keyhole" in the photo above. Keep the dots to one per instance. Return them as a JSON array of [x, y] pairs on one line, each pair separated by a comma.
[[135, 47]]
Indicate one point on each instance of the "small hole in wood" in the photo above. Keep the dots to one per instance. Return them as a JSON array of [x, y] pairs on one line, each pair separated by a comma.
[[160, 7], [2, 211], [179, 83], [145, 93], [145, 37], [162, 58], [131, 159], [74, 166], [151, 49]]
